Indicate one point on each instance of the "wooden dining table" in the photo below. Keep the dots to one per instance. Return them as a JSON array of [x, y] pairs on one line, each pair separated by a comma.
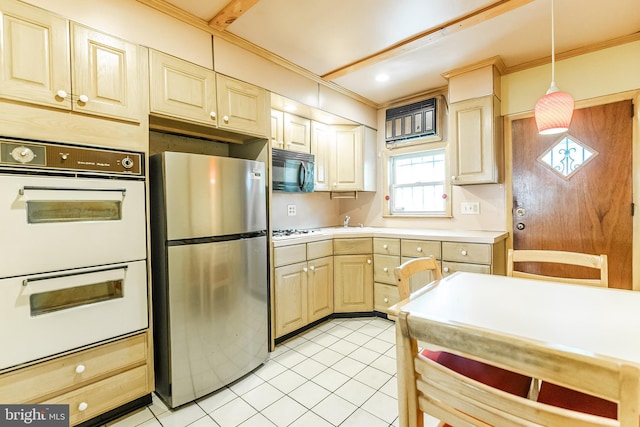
[[592, 320], [600, 323]]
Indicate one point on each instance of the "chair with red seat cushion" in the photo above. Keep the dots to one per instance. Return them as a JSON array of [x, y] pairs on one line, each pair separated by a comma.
[[502, 379], [567, 398]]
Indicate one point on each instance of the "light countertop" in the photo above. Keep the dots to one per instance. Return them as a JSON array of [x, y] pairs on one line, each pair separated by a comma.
[[468, 236]]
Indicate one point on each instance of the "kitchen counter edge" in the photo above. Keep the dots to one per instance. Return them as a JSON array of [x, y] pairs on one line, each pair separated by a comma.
[[467, 236]]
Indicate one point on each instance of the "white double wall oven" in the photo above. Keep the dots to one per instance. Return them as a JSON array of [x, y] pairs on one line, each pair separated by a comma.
[[73, 267]]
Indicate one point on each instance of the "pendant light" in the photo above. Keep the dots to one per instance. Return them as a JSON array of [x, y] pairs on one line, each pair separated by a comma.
[[553, 111]]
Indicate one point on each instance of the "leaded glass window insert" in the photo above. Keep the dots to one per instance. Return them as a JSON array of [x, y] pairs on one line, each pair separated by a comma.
[[567, 156], [417, 183]]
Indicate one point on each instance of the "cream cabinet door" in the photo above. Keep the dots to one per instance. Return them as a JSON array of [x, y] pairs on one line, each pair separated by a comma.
[[277, 129], [476, 141], [242, 107], [322, 142], [353, 283], [290, 298], [319, 288], [181, 89], [106, 79], [35, 56], [297, 133], [347, 171]]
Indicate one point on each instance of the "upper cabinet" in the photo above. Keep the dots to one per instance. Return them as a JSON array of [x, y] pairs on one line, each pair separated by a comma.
[[180, 89], [475, 125], [297, 133], [475, 145], [47, 60], [344, 157]]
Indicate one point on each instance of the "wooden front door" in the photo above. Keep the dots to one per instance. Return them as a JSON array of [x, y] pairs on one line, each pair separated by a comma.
[[582, 209]]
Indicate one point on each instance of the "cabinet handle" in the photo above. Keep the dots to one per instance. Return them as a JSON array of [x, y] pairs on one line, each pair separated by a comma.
[[61, 94], [83, 98], [463, 252], [385, 246], [226, 119], [385, 269], [83, 406], [80, 369], [419, 249], [386, 300], [304, 269], [368, 261], [213, 115], [312, 268], [454, 178], [446, 269]]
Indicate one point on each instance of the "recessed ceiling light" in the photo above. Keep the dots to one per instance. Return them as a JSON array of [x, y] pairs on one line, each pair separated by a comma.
[[382, 77]]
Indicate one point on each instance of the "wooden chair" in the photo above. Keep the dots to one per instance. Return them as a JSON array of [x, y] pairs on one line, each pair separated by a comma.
[[547, 392], [429, 387], [598, 262], [500, 378]]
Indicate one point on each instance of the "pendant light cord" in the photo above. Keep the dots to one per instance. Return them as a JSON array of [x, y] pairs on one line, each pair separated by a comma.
[[553, 48]]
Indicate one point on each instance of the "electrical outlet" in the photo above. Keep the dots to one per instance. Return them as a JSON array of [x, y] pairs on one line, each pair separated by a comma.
[[470, 208], [291, 210]]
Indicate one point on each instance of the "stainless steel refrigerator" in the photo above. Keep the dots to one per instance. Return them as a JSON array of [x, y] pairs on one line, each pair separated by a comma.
[[209, 272]]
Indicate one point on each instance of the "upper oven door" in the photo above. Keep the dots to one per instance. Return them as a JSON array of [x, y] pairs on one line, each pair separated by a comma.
[[56, 223]]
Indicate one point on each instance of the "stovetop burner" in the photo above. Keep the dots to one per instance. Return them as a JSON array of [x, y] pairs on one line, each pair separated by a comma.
[[292, 232]]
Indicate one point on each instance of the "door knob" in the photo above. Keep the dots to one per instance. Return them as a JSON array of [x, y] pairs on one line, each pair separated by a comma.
[[520, 226]]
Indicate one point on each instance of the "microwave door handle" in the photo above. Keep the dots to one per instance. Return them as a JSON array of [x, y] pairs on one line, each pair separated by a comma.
[[302, 175]]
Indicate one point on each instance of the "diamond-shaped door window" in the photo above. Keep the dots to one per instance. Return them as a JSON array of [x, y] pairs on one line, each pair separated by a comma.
[[567, 156]]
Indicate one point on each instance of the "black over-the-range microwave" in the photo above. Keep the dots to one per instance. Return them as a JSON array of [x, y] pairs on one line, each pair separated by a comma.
[[292, 171]]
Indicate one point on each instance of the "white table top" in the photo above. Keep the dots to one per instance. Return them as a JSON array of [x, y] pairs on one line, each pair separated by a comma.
[[587, 319]]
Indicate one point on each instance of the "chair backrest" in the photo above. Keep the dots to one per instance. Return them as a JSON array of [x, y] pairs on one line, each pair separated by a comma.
[[425, 386], [598, 262], [414, 267]]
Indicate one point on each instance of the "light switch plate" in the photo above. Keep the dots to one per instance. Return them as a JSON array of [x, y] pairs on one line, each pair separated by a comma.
[[291, 210], [470, 208]]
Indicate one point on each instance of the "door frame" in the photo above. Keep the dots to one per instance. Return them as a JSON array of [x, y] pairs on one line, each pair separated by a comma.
[[633, 95]]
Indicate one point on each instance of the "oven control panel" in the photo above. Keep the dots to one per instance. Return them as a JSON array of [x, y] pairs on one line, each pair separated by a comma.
[[15, 153]]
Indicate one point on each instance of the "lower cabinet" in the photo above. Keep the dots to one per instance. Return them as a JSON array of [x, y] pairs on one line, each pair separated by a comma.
[[303, 290], [353, 275], [473, 257], [91, 382]]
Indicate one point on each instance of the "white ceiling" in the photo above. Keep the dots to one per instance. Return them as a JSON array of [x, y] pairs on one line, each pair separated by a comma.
[[323, 36]]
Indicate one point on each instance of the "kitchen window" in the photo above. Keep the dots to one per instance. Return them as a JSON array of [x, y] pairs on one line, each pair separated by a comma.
[[417, 183]]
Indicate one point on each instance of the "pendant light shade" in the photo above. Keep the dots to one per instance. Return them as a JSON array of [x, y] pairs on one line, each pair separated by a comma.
[[553, 111]]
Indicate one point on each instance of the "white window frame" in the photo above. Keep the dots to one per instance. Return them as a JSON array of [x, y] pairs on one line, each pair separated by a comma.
[[388, 179]]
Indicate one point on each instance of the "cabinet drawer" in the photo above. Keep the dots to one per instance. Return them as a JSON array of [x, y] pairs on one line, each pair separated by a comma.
[[384, 296], [451, 267], [386, 246], [420, 248], [383, 267], [360, 245], [475, 253], [34, 382], [286, 255], [102, 396], [319, 249]]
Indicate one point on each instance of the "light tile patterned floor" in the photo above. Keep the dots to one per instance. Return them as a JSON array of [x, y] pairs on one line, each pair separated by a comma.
[[340, 373]]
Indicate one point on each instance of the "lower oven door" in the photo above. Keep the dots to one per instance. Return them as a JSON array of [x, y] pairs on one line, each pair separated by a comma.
[[46, 314], [57, 223]]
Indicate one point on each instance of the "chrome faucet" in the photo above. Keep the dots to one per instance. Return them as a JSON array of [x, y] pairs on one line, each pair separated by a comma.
[[346, 221]]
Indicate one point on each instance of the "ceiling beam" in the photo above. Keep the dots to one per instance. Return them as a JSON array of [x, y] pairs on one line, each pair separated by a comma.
[[232, 11], [429, 36]]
